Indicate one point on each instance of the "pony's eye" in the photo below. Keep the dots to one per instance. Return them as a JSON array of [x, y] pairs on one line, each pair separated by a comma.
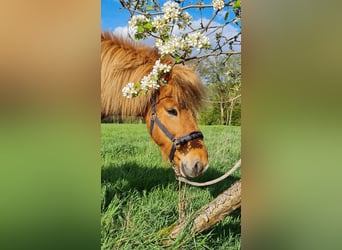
[[172, 111]]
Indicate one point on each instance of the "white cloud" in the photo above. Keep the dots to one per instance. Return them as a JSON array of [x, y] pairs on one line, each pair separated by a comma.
[[124, 31], [121, 31]]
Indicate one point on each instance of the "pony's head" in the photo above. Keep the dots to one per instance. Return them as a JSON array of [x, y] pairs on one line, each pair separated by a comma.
[[171, 121]]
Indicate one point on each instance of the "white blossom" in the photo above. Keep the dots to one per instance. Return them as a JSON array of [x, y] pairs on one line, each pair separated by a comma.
[[185, 20], [136, 20], [152, 81], [161, 24], [171, 46], [171, 10], [218, 4], [175, 43], [129, 90], [197, 40]]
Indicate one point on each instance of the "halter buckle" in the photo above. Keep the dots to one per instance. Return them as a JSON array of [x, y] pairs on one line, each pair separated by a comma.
[[176, 142]]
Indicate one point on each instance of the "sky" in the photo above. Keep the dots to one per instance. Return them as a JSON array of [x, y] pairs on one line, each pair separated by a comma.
[[112, 16]]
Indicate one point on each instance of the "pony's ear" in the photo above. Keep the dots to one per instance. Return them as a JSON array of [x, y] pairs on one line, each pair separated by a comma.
[[181, 74]]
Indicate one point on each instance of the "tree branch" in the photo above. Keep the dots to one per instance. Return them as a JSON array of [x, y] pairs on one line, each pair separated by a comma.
[[213, 54], [213, 212]]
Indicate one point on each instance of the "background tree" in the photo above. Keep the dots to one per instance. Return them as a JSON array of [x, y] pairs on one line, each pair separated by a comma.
[[223, 78]]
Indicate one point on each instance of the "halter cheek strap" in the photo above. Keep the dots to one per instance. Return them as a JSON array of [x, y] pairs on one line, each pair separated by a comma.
[[176, 142]]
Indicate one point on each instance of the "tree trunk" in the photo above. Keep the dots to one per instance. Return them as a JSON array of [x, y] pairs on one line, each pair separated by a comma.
[[222, 113], [227, 116], [231, 112], [214, 211]]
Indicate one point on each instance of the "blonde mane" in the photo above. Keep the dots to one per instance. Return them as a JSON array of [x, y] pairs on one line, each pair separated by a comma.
[[124, 61]]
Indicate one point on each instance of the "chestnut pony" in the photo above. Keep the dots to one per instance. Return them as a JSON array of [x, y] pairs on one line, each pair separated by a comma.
[[169, 112]]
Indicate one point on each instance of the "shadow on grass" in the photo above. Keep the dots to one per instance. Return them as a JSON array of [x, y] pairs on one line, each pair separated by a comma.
[[219, 187], [132, 177]]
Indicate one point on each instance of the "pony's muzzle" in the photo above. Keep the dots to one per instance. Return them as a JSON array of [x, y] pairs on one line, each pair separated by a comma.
[[192, 169]]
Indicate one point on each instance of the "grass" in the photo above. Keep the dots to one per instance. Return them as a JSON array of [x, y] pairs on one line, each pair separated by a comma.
[[139, 190]]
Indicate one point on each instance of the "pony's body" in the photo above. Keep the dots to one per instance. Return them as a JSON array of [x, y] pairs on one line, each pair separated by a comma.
[[123, 62]]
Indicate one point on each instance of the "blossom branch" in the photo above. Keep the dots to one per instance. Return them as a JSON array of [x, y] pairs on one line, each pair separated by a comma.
[[161, 25]]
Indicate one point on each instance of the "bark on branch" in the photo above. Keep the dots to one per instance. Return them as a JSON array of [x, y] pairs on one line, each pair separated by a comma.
[[214, 211]]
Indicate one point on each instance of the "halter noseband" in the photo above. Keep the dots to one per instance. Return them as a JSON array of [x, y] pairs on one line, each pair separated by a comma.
[[176, 142]]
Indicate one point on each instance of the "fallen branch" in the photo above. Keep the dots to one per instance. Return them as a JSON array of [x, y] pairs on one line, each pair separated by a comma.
[[214, 211]]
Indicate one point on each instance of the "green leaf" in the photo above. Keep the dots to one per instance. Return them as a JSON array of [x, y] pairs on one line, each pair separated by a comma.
[[165, 37], [226, 16], [148, 26], [177, 58], [138, 36], [237, 4], [141, 29], [137, 85]]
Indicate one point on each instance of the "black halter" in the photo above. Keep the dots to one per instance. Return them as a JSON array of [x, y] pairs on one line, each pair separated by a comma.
[[175, 141]]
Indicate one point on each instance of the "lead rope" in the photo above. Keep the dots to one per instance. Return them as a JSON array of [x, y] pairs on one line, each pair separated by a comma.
[[181, 195], [181, 202], [203, 184]]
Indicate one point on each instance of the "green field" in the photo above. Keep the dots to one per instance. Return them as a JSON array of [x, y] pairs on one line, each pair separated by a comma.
[[139, 190]]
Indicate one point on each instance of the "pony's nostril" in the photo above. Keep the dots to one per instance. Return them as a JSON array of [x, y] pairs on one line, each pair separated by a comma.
[[198, 167], [183, 170], [191, 170]]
